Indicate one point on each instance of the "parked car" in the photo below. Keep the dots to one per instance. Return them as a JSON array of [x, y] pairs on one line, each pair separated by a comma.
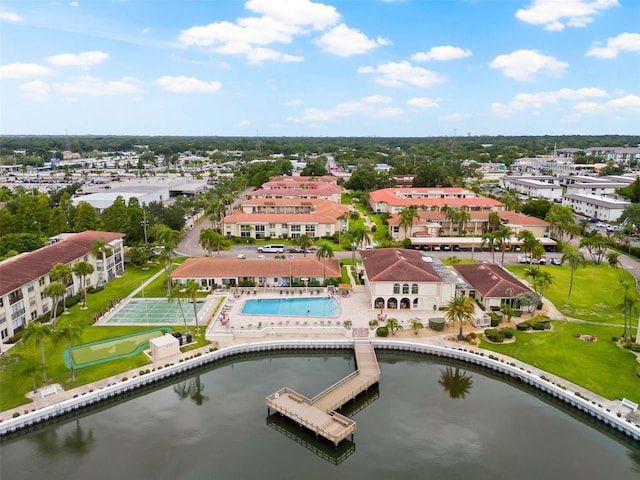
[[241, 255], [555, 261]]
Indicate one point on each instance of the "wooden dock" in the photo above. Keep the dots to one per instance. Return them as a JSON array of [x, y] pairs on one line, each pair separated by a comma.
[[318, 413]]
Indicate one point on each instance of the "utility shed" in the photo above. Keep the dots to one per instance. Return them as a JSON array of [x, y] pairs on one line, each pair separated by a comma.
[[164, 347]]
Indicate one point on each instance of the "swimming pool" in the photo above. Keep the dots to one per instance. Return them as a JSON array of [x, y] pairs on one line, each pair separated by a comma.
[[292, 307]]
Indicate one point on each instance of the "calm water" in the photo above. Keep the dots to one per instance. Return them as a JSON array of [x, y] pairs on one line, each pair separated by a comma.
[[296, 307], [214, 425]]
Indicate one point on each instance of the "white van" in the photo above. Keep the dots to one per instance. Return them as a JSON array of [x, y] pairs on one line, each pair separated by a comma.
[[274, 248]]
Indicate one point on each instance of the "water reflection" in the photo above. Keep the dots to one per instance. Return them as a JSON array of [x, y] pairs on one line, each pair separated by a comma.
[[455, 382], [78, 441], [191, 389]]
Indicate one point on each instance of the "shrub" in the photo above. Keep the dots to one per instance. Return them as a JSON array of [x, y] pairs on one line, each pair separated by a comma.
[[437, 324], [382, 332], [495, 320], [614, 339], [508, 332], [16, 414], [523, 326], [637, 372], [635, 347], [538, 325], [494, 335]]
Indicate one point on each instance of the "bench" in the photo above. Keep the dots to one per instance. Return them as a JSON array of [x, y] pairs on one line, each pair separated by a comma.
[[52, 390], [628, 403]]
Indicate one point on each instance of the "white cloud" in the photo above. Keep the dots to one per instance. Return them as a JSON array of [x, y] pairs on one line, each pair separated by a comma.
[[256, 54], [10, 17], [97, 87], [37, 91], [422, 102], [146, 30], [556, 15], [300, 12], [457, 117], [243, 123], [442, 53], [629, 42], [183, 84], [628, 104], [74, 4], [524, 65], [538, 100], [402, 74], [82, 60], [376, 99], [23, 70], [344, 41]]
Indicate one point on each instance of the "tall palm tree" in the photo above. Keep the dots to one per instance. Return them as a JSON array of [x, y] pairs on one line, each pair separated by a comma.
[[191, 291], [407, 216], [545, 279], [55, 291], [489, 239], [533, 272], [340, 219], [304, 241], [502, 236], [83, 270], [575, 259], [168, 239], [31, 370], [62, 273], [456, 383], [613, 259], [627, 305], [208, 239], [323, 252], [102, 248], [463, 217], [35, 333], [71, 331], [460, 309]]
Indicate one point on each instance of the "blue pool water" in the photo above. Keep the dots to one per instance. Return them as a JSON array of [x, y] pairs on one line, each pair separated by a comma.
[[292, 307]]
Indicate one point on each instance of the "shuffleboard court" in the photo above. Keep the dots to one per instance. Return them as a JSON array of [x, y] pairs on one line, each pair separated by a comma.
[[154, 311]]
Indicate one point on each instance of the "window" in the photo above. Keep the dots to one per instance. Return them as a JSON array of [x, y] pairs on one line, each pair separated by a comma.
[[34, 314], [396, 229], [41, 281], [245, 231], [3, 318], [15, 296], [396, 288], [414, 289], [30, 287], [260, 231], [405, 288]]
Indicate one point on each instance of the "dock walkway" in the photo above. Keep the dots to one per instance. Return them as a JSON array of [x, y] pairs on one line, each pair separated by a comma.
[[318, 413]]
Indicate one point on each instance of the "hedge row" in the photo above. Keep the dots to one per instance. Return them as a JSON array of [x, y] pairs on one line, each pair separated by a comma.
[[499, 336]]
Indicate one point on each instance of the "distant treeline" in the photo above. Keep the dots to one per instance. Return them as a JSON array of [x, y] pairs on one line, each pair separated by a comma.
[[358, 147]]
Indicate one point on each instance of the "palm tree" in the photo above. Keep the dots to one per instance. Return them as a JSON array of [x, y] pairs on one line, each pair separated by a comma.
[[324, 251], [533, 273], [502, 236], [208, 238], [575, 259], [340, 219], [54, 291], [191, 291], [613, 259], [31, 370], [456, 383], [168, 238], [460, 309], [35, 333], [530, 244], [416, 326], [62, 273], [102, 248], [463, 218], [407, 216], [304, 241], [83, 270], [545, 279], [394, 325], [489, 238], [71, 331], [627, 305]]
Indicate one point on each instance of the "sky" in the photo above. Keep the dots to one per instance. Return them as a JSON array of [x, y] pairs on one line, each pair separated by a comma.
[[273, 68]]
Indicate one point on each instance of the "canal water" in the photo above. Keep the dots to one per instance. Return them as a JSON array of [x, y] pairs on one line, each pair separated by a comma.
[[425, 420]]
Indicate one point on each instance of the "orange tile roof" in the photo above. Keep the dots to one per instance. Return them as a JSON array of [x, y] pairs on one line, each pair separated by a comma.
[[394, 265], [217, 267], [326, 213], [482, 216], [22, 269], [390, 197]]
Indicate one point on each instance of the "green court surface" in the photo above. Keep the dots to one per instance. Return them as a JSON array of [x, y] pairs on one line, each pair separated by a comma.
[[112, 348], [154, 311]]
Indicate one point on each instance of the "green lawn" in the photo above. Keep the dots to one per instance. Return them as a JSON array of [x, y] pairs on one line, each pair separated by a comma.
[[600, 366], [594, 296], [14, 384]]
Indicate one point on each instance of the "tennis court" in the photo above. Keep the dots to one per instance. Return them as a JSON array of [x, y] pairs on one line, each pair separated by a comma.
[[155, 311]]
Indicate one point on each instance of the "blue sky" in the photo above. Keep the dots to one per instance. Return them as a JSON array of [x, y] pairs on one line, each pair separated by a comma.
[[320, 68]]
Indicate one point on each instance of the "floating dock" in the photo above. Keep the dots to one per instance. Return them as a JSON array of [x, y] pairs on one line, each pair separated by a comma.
[[318, 414]]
